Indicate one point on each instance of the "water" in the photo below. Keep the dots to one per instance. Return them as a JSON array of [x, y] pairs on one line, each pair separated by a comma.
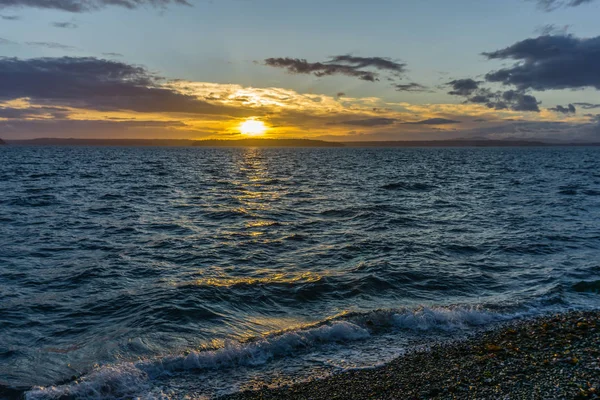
[[161, 272]]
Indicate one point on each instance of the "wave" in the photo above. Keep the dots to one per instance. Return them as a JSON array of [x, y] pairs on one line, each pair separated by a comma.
[[417, 187], [130, 379], [592, 192], [277, 278], [365, 213], [35, 201], [341, 213], [568, 191], [42, 175], [587, 286]]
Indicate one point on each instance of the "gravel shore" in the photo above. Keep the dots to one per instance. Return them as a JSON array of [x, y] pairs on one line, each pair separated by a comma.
[[555, 357]]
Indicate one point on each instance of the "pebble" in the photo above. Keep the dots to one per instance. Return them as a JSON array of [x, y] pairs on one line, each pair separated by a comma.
[[552, 357]]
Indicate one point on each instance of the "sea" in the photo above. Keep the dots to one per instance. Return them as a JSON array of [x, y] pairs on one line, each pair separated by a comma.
[[171, 273]]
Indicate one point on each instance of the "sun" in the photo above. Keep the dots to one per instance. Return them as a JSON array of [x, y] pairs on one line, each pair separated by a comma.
[[253, 127]]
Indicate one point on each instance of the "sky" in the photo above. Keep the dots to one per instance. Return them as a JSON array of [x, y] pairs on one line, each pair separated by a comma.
[[328, 69]]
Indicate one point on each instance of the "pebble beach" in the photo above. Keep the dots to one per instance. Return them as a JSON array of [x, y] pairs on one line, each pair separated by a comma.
[[551, 357]]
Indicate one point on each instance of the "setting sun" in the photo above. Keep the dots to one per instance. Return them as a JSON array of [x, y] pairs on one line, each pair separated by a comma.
[[253, 127]]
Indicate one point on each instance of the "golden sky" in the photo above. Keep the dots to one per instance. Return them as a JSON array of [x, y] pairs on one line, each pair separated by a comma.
[[284, 113], [520, 69]]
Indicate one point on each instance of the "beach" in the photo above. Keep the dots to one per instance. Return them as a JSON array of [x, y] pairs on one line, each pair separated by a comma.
[[551, 357]]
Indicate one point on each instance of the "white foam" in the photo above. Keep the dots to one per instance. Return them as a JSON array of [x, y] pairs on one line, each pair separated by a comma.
[[133, 379], [446, 319], [108, 382]]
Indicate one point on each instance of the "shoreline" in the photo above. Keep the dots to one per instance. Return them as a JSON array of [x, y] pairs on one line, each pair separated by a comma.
[[555, 356]]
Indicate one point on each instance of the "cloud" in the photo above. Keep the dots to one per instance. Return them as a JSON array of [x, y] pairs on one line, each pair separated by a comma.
[[41, 96], [519, 101], [346, 65], [67, 25], [33, 112], [570, 109], [516, 100], [368, 122], [6, 41], [587, 106], [410, 87], [550, 5], [380, 63], [77, 6], [434, 121], [463, 87], [549, 62], [64, 128], [10, 17], [97, 84], [110, 54], [552, 29], [301, 66], [52, 45]]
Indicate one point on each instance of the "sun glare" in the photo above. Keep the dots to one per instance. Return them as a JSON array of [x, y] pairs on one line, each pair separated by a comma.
[[253, 127]]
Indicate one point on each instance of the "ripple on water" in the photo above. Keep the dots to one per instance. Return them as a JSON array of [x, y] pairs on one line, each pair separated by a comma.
[[122, 253]]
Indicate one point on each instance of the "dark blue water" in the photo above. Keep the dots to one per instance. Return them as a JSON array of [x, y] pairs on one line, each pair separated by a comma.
[[159, 272]]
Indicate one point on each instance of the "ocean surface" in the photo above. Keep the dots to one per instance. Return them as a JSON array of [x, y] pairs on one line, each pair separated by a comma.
[[157, 273]]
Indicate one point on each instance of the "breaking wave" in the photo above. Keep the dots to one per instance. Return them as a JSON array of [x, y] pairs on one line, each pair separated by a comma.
[[131, 379]]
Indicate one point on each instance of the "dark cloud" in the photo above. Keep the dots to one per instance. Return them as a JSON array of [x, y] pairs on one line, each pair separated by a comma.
[[33, 112], [300, 66], [472, 91], [550, 62], [587, 106], [97, 84], [463, 87], [434, 121], [570, 109], [410, 87], [380, 63], [347, 65], [550, 5], [78, 6], [368, 122], [67, 25], [52, 45], [10, 17], [519, 101]]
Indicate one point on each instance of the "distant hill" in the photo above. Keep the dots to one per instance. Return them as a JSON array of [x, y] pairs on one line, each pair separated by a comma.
[[104, 142], [267, 143], [450, 143], [179, 142], [467, 142], [2, 142]]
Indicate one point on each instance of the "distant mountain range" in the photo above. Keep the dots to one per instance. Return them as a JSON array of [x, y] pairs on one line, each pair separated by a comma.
[[267, 143], [479, 142]]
